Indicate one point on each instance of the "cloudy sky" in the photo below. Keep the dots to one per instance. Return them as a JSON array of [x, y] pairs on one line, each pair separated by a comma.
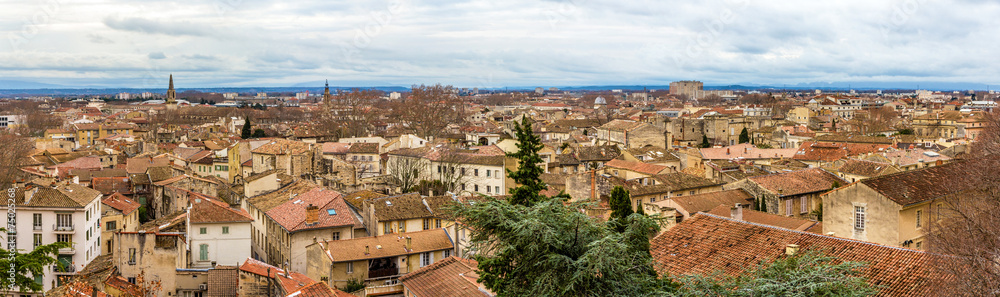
[[207, 43]]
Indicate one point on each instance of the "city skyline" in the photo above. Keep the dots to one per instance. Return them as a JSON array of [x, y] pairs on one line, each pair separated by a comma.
[[243, 43]]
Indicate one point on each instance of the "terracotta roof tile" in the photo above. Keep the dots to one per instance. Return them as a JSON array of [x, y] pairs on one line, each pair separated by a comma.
[[400, 207], [363, 148], [223, 281], [333, 211], [282, 146], [706, 243], [451, 276], [863, 167], [745, 151], [798, 182], [208, 209], [921, 185], [319, 289], [121, 203], [828, 152], [389, 245], [356, 199], [640, 167], [707, 201], [764, 218], [108, 185], [290, 282]]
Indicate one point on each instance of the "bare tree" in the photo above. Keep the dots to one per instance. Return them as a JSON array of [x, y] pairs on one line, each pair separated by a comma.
[[352, 113], [405, 171], [873, 121], [429, 109], [451, 171], [13, 156], [967, 226]]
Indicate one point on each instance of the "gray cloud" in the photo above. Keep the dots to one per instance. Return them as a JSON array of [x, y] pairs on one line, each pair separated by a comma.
[[555, 42], [99, 39], [149, 26]]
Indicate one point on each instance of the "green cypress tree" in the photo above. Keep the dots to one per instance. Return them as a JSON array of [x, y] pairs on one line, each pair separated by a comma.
[[620, 203], [528, 174], [704, 141], [246, 133], [744, 135]]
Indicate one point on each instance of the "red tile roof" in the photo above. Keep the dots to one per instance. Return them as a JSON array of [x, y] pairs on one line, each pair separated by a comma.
[[108, 185], [827, 152], [319, 289], [121, 203], [745, 151], [451, 276], [291, 214], [798, 182], [389, 245], [764, 218], [291, 282], [921, 185], [708, 201], [706, 243], [82, 162], [208, 209], [640, 167]]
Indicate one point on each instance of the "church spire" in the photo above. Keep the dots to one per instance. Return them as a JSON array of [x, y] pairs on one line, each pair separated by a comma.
[[326, 93], [171, 94]]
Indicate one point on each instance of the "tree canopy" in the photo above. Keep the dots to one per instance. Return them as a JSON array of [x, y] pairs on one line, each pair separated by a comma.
[[528, 173]]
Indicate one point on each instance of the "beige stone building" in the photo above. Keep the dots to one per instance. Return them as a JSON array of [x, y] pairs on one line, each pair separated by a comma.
[[794, 194], [118, 214], [297, 216], [154, 255], [892, 209], [377, 259], [294, 157]]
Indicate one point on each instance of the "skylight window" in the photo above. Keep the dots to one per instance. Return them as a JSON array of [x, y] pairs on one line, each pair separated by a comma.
[[331, 212]]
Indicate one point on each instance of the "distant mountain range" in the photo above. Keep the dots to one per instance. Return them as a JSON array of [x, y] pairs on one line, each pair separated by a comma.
[[15, 88]]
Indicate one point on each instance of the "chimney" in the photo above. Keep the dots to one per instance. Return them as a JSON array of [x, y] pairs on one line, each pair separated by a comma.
[[409, 243], [727, 150], [737, 212], [366, 250], [312, 214], [791, 249]]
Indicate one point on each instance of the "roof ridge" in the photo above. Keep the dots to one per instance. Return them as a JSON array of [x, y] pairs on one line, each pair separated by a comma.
[[814, 234]]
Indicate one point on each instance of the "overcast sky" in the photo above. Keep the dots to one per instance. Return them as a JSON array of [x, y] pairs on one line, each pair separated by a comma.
[[207, 43]]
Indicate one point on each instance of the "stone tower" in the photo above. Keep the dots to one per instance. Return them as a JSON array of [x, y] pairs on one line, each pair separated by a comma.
[[326, 94], [171, 95]]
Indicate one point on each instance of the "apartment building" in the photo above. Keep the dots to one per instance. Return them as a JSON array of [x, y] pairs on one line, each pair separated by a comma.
[[58, 213]]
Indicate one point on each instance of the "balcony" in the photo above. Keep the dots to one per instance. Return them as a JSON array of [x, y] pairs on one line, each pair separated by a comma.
[[62, 228], [36, 227], [387, 289], [67, 269], [67, 251], [377, 273]]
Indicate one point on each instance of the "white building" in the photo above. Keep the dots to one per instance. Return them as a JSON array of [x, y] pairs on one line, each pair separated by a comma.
[[217, 233], [10, 120], [477, 169], [63, 213]]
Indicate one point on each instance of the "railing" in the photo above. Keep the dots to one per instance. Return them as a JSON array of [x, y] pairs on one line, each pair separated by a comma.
[[383, 290], [62, 227], [68, 268], [383, 272], [67, 251], [36, 227]]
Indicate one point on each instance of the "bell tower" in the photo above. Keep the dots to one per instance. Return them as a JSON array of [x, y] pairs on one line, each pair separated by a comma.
[[326, 94], [171, 95]]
